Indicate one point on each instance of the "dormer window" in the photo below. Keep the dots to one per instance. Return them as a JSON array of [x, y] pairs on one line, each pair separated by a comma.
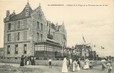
[[18, 26]]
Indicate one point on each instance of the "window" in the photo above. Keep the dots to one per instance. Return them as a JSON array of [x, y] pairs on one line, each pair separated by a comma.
[[18, 36], [8, 49], [25, 48], [40, 48], [15, 57], [16, 49], [18, 25], [9, 37], [41, 37], [49, 48], [37, 36], [37, 25], [41, 26], [9, 26]]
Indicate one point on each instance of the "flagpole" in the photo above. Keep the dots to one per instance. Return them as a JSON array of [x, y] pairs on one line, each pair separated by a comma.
[[83, 45]]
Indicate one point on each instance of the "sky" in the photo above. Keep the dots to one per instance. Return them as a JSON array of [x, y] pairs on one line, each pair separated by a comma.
[[95, 21]]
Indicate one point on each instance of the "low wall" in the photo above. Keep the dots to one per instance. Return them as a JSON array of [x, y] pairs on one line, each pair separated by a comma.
[[16, 61], [37, 62], [43, 62]]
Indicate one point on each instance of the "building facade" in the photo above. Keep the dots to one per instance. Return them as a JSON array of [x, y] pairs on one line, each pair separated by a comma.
[[29, 33]]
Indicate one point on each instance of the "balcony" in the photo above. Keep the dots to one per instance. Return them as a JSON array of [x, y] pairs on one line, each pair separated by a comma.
[[50, 36]]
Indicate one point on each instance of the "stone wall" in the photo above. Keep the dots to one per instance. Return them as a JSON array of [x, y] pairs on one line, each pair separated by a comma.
[[24, 37]]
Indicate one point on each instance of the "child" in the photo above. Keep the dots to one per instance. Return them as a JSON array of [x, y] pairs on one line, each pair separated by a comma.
[[91, 65]]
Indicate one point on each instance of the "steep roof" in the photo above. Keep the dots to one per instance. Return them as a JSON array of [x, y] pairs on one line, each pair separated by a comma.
[[21, 15]]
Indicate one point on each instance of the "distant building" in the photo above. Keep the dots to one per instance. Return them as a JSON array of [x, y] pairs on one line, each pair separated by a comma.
[[29, 33], [81, 51]]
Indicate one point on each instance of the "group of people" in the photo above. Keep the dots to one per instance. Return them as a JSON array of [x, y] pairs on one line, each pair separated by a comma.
[[27, 60], [72, 65], [75, 65], [106, 64]]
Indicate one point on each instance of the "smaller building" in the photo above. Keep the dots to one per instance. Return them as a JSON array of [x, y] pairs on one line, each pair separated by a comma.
[[81, 51]]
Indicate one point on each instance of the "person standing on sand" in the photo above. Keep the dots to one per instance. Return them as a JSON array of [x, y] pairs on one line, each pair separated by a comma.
[[70, 64], [25, 60], [79, 62], [28, 60], [64, 66], [103, 63], [32, 60], [49, 61], [74, 66], [22, 60], [86, 65], [78, 67]]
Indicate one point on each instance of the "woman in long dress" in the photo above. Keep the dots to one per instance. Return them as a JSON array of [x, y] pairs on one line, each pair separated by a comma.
[[86, 66], [70, 64], [103, 62], [74, 65], [82, 64], [22, 61], [77, 67], [28, 60], [64, 67]]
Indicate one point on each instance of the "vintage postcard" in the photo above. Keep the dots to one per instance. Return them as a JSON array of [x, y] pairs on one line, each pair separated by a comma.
[[61, 36]]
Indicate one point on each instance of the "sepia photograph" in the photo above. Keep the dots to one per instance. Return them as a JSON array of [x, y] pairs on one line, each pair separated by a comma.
[[56, 36]]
